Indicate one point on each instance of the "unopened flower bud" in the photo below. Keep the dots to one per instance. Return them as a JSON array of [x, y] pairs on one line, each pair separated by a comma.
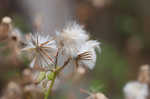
[[6, 20]]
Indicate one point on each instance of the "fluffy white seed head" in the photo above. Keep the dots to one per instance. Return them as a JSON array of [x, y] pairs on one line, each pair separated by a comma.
[[42, 49], [71, 37], [136, 90], [73, 33], [75, 43], [87, 55], [6, 20]]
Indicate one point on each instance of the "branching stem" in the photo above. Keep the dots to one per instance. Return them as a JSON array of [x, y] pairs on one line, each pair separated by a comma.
[[56, 72]]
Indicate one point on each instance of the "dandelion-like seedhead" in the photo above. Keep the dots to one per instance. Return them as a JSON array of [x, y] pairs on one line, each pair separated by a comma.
[[6, 20], [42, 49], [87, 55], [136, 90], [75, 43], [71, 38], [73, 33]]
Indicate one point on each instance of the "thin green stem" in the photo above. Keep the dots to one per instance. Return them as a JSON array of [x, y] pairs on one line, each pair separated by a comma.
[[51, 86], [53, 80]]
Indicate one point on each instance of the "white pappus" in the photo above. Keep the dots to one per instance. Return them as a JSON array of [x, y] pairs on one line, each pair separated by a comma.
[[136, 90], [42, 49]]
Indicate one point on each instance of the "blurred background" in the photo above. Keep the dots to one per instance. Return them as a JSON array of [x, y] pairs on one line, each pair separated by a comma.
[[122, 27]]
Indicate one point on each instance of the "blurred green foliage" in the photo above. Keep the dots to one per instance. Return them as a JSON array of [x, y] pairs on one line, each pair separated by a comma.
[[21, 23], [111, 70], [96, 86], [125, 25]]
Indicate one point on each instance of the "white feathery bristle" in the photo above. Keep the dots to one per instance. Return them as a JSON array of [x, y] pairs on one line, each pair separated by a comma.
[[6, 20], [91, 44], [44, 56], [89, 63], [72, 37], [136, 90], [74, 31], [94, 44], [89, 47]]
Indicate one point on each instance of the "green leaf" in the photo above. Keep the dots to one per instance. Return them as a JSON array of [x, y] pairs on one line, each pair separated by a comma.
[[50, 76]]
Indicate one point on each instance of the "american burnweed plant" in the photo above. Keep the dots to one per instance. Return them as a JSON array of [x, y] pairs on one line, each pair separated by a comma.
[[51, 54]]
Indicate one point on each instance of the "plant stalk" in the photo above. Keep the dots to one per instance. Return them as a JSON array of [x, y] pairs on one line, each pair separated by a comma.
[[51, 86], [53, 80]]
